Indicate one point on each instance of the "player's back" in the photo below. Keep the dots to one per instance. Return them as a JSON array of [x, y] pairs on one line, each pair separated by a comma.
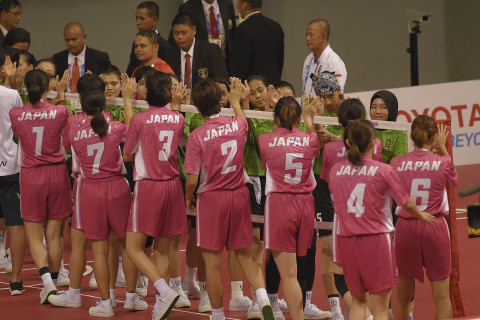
[[39, 128], [424, 175], [215, 149], [288, 158]]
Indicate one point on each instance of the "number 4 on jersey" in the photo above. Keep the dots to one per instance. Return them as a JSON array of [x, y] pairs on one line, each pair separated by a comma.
[[355, 201]]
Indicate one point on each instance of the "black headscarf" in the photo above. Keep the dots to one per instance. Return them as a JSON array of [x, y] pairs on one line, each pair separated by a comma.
[[16, 35], [390, 100]]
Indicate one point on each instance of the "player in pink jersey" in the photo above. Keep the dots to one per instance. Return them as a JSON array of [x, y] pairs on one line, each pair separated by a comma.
[[215, 152], [104, 195], [361, 188], [44, 186], [287, 156], [158, 207], [417, 244]]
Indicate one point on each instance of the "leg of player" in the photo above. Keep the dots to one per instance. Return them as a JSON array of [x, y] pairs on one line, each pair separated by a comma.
[[55, 247], [405, 289], [112, 266], [287, 266], [379, 304], [327, 273], [191, 253], [213, 264], [238, 301], [100, 250], [17, 250], [441, 296], [359, 306], [176, 272], [204, 305]]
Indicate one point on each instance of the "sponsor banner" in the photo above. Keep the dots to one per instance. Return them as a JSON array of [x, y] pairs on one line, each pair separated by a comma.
[[455, 101]]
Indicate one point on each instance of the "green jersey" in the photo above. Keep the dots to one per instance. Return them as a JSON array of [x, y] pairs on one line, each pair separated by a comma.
[[252, 160], [118, 113], [394, 143], [336, 130]]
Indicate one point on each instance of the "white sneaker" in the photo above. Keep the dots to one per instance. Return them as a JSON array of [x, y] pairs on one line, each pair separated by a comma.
[[205, 305], [410, 317], [192, 289], [101, 310], [142, 286], [240, 305], [182, 301], [8, 265], [135, 303], [93, 282], [164, 305], [254, 311], [63, 279], [390, 314], [370, 317], [311, 311], [64, 299], [277, 313], [338, 316], [120, 283], [45, 293], [282, 304], [3, 261]]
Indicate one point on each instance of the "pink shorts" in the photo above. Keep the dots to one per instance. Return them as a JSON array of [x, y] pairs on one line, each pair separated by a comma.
[[419, 244], [289, 219], [224, 219], [45, 193], [158, 208], [368, 262], [76, 216], [105, 206]]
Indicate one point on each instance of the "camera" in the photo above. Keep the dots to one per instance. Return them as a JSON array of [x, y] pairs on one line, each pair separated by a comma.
[[416, 16]]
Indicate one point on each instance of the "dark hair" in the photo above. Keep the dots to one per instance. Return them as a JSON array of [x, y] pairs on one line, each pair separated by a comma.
[[284, 84], [93, 104], [5, 5], [390, 101], [152, 8], [183, 18], [7, 51], [360, 133], [324, 24], [89, 82], [50, 60], [350, 109], [253, 4], [258, 77], [144, 71], [36, 82], [112, 69], [16, 35], [151, 35], [159, 91], [30, 58], [221, 80], [206, 97], [288, 111], [173, 76], [423, 128]]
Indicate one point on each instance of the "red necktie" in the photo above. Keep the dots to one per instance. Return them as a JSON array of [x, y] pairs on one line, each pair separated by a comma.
[[213, 23], [186, 75], [75, 75]]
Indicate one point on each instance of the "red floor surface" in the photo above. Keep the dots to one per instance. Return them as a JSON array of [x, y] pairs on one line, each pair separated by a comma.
[[27, 306]]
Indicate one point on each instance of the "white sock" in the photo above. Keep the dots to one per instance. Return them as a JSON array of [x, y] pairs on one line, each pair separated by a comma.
[[273, 298], [3, 240], [203, 289], [130, 295], [254, 295], [190, 274], [370, 317], [162, 287], [308, 297], [120, 265], [73, 292], [62, 266], [106, 303], [237, 290], [335, 304], [112, 294], [218, 314], [54, 282], [47, 280], [262, 297], [176, 282]]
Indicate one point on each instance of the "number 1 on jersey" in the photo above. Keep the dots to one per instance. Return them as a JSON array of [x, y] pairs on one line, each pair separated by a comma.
[[39, 140], [355, 201]]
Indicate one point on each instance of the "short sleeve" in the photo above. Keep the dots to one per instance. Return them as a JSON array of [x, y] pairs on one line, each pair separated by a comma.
[[261, 143], [132, 139], [315, 144], [395, 186], [193, 156], [450, 172], [181, 128]]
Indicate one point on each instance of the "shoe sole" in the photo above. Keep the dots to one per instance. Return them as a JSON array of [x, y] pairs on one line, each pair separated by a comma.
[[254, 316], [136, 308], [93, 286], [238, 309], [267, 312], [17, 292], [280, 318], [141, 293], [65, 305], [104, 315], [169, 309], [183, 304], [45, 300], [204, 309], [317, 317], [120, 285]]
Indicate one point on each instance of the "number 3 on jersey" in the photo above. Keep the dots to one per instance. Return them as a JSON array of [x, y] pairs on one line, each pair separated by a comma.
[[164, 154], [355, 201]]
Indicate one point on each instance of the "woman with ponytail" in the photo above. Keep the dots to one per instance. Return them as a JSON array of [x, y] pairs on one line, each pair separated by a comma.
[[287, 155], [44, 185], [362, 188], [424, 172]]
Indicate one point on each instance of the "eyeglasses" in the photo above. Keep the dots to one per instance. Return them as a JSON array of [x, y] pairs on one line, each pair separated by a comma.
[[16, 14]]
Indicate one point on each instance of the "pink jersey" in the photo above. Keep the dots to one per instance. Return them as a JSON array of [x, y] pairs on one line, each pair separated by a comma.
[[424, 174], [153, 136], [99, 157], [288, 157], [336, 151], [39, 127], [215, 150], [362, 196]]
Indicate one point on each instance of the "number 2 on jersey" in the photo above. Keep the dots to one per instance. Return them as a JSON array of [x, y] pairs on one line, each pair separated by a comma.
[[355, 201], [39, 140], [164, 154], [99, 147], [232, 145]]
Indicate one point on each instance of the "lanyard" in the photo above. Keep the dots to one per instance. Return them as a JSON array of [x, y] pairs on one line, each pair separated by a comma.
[[307, 74], [207, 17]]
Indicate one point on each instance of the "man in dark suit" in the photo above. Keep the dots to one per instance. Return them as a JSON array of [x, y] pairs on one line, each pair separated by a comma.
[[10, 12], [146, 18], [214, 21], [258, 46], [203, 59], [78, 58]]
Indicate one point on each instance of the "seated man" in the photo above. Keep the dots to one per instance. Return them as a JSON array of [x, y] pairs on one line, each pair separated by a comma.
[[146, 51]]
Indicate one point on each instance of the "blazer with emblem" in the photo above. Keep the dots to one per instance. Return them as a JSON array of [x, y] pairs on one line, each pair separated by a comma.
[[207, 61], [95, 61], [194, 8]]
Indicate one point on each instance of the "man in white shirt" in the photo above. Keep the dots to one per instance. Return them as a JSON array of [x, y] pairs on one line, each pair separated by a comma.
[[322, 58], [10, 13], [10, 188]]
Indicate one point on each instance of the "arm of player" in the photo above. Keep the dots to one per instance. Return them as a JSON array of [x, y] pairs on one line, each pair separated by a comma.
[[313, 108], [179, 92], [190, 186], [129, 86], [234, 97], [412, 208]]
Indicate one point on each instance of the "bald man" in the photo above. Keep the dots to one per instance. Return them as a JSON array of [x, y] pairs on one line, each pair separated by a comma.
[[87, 59], [322, 58]]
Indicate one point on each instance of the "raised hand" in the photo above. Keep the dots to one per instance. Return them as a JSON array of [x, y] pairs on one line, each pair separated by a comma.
[[274, 95], [129, 86], [179, 93], [62, 84]]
